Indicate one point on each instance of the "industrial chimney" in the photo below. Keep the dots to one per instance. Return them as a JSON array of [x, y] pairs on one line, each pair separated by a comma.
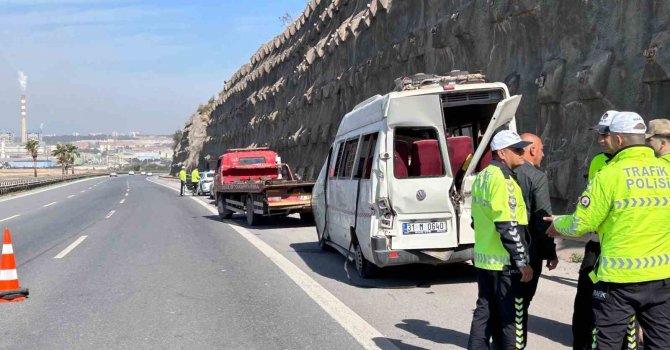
[[24, 133]]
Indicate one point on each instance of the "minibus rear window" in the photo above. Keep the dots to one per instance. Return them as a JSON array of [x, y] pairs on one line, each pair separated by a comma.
[[417, 153]]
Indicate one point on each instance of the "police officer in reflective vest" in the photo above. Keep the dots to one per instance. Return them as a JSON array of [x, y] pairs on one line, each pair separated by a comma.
[[627, 203], [182, 180], [658, 137], [501, 252]]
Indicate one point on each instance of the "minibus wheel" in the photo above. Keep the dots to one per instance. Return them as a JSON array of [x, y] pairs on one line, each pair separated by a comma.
[[365, 268], [221, 206]]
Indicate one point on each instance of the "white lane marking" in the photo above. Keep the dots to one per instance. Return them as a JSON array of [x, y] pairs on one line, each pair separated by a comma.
[[72, 195], [126, 194], [70, 247], [11, 217], [47, 188], [123, 200], [109, 215], [83, 191], [48, 205], [90, 188], [355, 325]]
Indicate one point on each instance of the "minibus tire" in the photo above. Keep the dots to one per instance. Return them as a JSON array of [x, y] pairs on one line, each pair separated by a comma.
[[365, 268], [221, 207]]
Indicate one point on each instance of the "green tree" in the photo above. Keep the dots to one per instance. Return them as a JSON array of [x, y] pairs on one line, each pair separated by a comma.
[[72, 153], [32, 147], [62, 157]]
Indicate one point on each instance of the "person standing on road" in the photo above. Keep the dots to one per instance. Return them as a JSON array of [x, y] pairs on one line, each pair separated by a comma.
[[626, 202], [501, 252], [658, 137], [582, 316], [535, 188], [182, 179], [195, 177]]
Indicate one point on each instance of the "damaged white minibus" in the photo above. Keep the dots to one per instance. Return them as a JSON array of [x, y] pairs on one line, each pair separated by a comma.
[[395, 188]]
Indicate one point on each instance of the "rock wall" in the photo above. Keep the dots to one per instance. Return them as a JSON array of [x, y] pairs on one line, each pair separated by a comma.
[[571, 60]]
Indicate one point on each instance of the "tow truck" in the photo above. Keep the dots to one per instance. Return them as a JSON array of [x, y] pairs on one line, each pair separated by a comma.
[[255, 182]]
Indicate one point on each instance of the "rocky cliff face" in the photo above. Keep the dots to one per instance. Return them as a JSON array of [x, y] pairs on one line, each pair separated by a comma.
[[571, 60]]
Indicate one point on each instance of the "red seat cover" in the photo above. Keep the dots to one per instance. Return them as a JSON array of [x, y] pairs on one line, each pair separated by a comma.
[[400, 158], [426, 159], [460, 147], [486, 158]]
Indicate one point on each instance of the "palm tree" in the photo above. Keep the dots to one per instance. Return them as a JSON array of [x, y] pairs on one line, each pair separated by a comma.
[[72, 152], [62, 156], [32, 148]]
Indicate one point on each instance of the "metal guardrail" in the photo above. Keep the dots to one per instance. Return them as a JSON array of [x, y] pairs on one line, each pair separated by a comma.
[[8, 186]]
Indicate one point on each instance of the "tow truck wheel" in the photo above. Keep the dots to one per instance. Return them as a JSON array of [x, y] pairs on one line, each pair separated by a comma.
[[252, 219], [365, 268], [221, 206]]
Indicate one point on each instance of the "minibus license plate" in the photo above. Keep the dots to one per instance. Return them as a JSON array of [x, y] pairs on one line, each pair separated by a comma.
[[424, 227]]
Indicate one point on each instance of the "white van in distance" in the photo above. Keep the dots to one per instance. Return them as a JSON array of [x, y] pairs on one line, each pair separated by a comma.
[[395, 188]]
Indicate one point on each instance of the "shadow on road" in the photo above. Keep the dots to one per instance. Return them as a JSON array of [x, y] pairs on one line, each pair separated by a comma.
[[331, 265], [266, 224], [381, 343], [424, 330], [553, 330], [570, 282]]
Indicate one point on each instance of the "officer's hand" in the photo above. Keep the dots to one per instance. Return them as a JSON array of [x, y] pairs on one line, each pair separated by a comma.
[[551, 264], [526, 273], [551, 231]]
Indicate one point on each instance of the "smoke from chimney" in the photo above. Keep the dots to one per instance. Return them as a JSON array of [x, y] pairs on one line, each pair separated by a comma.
[[23, 82]]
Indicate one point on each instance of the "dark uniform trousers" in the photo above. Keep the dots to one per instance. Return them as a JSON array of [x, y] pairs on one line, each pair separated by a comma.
[[613, 303], [181, 188], [499, 312], [582, 316]]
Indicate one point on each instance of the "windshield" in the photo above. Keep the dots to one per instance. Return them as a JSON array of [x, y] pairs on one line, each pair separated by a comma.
[[416, 153]]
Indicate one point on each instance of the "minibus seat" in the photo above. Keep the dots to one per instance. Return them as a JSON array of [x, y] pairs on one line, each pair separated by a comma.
[[400, 158], [460, 148], [426, 159], [486, 158]]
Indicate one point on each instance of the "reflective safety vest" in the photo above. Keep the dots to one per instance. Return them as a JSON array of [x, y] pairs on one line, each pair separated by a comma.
[[182, 175], [628, 204], [666, 157], [195, 175], [496, 197]]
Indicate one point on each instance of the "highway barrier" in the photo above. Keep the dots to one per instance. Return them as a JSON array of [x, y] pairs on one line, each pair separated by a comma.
[[15, 185]]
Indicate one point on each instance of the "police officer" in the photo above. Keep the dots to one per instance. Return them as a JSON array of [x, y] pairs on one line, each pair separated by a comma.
[[658, 137], [582, 316], [627, 203], [501, 252], [195, 177], [182, 179]]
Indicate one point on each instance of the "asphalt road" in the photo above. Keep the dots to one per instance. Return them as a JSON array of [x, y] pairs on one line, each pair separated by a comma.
[[161, 271], [154, 272]]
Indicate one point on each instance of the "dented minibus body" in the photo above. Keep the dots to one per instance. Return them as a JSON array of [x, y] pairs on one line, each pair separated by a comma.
[[395, 188]]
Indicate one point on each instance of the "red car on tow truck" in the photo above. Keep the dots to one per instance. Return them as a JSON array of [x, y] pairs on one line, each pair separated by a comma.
[[254, 182]]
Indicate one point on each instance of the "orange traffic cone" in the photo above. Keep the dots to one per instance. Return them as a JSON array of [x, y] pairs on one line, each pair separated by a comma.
[[9, 280]]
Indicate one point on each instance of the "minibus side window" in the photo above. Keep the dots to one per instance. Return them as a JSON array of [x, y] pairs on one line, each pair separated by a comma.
[[348, 157], [338, 160], [366, 155], [417, 153]]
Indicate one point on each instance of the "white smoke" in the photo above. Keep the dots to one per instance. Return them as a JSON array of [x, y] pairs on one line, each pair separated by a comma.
[[23, 81]]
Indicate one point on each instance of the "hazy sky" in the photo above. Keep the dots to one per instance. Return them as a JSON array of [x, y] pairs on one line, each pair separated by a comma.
[[125, 65]]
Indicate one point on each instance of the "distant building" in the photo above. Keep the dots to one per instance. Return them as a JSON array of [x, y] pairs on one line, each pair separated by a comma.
[[6, 136]]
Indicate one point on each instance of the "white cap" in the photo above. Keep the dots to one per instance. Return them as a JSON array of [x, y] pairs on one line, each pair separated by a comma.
[[627, 123], [604, 123], [507, 138]]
